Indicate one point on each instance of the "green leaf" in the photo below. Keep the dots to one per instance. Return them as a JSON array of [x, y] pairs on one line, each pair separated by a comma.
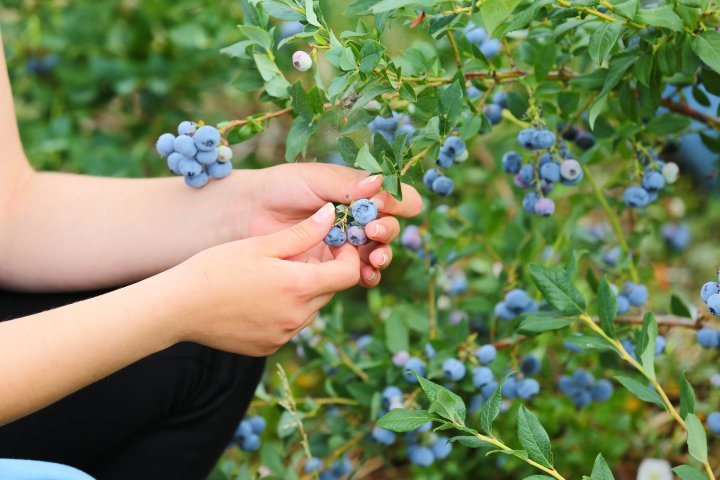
[[257, 36], [451, 102], [515, 453], [687, 397], [707, 47], [601, 470], [643, 392], [645, 348], [282, 11], [387, 5], [619, 65], [603, 40], [491, 409], [590, 342], [679, 307], [534, 438], [626, 8], [396, 334], [494, 12], [432, 392], [366, 161], [697, 440], [298, 136], [531, 323], [668, 123], [470, 441], [607, 307], [523, 18], [662, 16], [643, 69], [686, 472], [447, 406], [558, 289], [310, 14], [370, 55], [401, 420]]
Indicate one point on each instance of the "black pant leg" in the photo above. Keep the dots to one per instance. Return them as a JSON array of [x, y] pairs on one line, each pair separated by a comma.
[[169, 415]]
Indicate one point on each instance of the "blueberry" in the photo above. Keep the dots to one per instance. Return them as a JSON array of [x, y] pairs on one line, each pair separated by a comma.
[[713, 304], [425, 427], [430, 176], [382, 436], [570, 170], [602, 390], [454, 369], [713, 422], [416, 365], [708, 337], [185, 146], [342, 467], [488, 389], [544, 207], [572, 347], [173, 162], [411, 238], [430, 351], [517, 301], [581, 398], [486, 353], [188, 166], [220, 170], [585, 140], [482, 376], [336, 237], [612, 256], [530, 365], [476, 35], [356, 235], [527, 173], [461, 157], [473, 92], [550, 172], [454, 146], [542, 139], [400, 358], [186, 128], [629, 347], [566, 385], [301, 61], [660, 344], [502, 312], [670, 172], [636, 197], [490, 48], [244, 429], [568, 133], [520, 182], [421, 456], [207, 138], [623, 304], [225, 153], [443, 186], [583, 379], [511, 162], [312, 465], [527, 388], [677, 236], [257, 423], [288, 29], [363, 211], [390, 393], [197, 181], [571, 183], [509, 388], [529, 201], [441, 448], [500, 98], [406, 128], [653, 181], [206, 158], [637, 294], [708, 290], [164, 144], [525, 137], [445, 158], [250, 443], [388, 125], [493, 113]]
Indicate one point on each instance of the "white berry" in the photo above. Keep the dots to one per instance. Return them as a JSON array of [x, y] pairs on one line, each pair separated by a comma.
[[670, 171], [302, 61], [225, 153]]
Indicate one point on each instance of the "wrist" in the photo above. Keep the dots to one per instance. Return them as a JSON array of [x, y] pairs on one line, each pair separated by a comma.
[[233, 196]]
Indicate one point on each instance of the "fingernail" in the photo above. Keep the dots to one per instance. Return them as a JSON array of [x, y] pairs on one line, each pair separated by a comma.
[[378, 202], [371, 277], [325, 213], [369, 180], [384, 259], [379, 230]]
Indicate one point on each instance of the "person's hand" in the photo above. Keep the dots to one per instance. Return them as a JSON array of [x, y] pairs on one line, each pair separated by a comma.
[[246, 297], [281, 196]]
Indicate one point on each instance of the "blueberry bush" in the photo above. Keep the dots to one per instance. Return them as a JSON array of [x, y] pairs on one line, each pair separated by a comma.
[[547, 316]]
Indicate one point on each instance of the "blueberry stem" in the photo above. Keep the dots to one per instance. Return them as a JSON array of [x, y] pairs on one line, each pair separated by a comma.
[[456, 52], [492, 440], [351, 365]]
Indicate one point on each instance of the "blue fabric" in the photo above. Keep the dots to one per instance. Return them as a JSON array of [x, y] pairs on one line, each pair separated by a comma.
[[11, 469]]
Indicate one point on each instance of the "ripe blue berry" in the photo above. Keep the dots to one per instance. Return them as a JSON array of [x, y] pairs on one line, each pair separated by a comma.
[[336, 237], [486, 353], [445, 159], [637, 294], [391, 395], [476, 35], [544, 207], [527, 173], [623, 304], [197, 181], [550, 172], [257, 423], [454, 369], [542, 139], [490, 48], [430, 351], [708, 337], [382, 436], [493, 113], [585, 140], [713, 422], [441, 448], [518, 301], [185, 146], [708, 290], [356, 235], [454, 146], [288, 29], [488, 389], [713, 304], [173, 162], [250, 443], [527, 388], [188, 166], [164, 144], [602, 390], [363, 211], [660, 344], [421, 456], [482, 376], [582, 378], [530, 365], [636, 197], [529, 201], [208, 157], [312, 465], [416, 365], [653, 181], [220, 170], [411, 238], [502, 312], [207, 138], [430, 176], [443, 186], [511, 162], [676, 236], [525, 137], [473, 92], [244, 429], [509, 388], [186, 128]]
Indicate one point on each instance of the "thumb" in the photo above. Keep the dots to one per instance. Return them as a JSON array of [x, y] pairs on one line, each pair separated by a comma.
[[300, 237]]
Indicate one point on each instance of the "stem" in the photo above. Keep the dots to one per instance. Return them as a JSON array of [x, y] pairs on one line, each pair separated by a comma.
[[351, 365], [432, 312], [550, 471], [456, 52], [598, 14], [245, 121], [615, 222], [415, 159]]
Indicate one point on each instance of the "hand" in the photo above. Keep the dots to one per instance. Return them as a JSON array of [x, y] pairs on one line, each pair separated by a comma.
[[246, 297], [281, 196]]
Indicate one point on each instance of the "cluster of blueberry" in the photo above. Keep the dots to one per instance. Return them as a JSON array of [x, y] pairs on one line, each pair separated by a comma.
[[676, 236], [657, 174], [362, 211], [710, 294], [453, 151], [582, 388], [196, 153], [337, 470], [582, 139], [543, 171], [247, 435], [523, 387], [424, 446], [41, 65], [489, 47], [393, 126], [455, 281], [515, 303], [632, 294], [492, 110]]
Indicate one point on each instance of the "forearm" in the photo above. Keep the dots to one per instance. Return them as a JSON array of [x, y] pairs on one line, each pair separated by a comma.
[[71, 232], [52, 354]]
